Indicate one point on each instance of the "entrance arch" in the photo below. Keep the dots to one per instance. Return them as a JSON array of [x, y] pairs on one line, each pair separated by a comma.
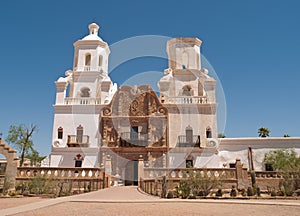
[[12, 162]]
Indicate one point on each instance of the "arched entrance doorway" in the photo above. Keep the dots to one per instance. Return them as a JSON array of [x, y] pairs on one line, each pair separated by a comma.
[[131, 173]]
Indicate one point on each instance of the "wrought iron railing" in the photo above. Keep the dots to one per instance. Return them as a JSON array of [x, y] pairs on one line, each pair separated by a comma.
[[78, 141], [188, 141]]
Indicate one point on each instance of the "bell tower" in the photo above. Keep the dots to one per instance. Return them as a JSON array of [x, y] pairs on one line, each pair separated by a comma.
[[189, 93], [89, 80], [80, 97], [184, 53]]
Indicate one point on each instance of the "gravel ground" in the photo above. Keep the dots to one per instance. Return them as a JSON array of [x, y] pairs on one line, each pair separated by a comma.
[[129, 201], [174, 209], [13, 202]]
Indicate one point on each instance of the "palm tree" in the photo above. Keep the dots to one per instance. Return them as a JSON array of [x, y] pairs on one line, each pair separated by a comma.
[[286, 135], [263, 132]]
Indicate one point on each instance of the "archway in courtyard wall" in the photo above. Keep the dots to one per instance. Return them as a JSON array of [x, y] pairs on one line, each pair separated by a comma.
[[133, 126], [10, 161]]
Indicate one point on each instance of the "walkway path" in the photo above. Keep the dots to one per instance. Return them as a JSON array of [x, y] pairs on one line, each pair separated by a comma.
[[132, 202]]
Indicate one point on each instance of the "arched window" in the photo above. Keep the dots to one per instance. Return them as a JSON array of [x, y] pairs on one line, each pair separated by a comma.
[[88, 59], [60, 132], [100, 61], [185, 60], [187, 90], [208, 133], [79, 134], [189, 134], [85, 92]]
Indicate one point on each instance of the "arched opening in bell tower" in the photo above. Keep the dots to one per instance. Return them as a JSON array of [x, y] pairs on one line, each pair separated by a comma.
[[185, 60], [187, 90], [85, 92], [87, 63]]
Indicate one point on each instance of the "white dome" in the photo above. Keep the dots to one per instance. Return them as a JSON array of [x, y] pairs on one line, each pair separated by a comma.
[[94, 28], [92, 37]]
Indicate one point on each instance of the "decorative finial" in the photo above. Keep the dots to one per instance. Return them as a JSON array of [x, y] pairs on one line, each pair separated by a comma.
[[93, 28]]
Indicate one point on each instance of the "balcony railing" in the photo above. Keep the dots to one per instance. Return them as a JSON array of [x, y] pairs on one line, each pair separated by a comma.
[[82, 101], [88, 68], [78, 141], [134, 136], [186, 100], [132, 139], [188, 141]]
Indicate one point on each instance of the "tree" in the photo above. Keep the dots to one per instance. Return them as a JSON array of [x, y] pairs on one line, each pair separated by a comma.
[[283, 160], [20, 137], [221, 135], [286, 135], [287, 163], [34, 157], [263, 132]]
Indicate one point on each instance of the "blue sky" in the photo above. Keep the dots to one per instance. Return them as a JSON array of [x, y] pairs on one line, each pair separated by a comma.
[[253, 46]]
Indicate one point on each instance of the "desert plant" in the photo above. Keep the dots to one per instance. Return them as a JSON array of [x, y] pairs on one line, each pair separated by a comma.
[[250, 191], [6, 185], [258, 192], [164, 187], [170, 194], [201, 183], [184, 189], [233, 192], [219, 193]]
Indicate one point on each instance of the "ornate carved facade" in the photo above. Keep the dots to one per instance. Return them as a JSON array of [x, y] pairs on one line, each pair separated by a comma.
[[134, 125]]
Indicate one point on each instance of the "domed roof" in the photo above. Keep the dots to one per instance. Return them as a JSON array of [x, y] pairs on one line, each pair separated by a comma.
[[93, 27]]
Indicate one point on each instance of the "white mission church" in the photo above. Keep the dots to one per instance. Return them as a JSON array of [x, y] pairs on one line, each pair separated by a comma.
[[95, 120]]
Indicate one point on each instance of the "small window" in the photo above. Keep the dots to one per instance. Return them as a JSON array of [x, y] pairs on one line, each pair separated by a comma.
[[189, 163], [78, 160], [88, 60], [269, 167], [208, 133], [100, 61], [232, 165], [78, 163], [60, 131]]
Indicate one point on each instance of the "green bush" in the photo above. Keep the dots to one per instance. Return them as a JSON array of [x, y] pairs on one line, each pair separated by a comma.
[[184, 189]]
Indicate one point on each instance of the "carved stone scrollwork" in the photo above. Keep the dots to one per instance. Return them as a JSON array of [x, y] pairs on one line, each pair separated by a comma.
[[106, 111], [162, 110]]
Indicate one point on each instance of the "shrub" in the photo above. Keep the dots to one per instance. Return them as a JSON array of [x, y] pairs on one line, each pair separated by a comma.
[[233, 192], [201, 183], [184, 189], [170, 194], [250, 191], [219, 193]]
